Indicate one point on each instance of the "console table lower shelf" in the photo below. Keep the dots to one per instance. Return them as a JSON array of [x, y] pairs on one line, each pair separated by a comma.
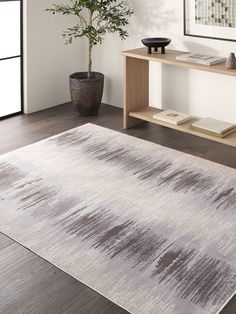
[[146, 114]]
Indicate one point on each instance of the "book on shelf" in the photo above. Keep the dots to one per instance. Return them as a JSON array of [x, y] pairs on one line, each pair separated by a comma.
[[200, 59], [172, 117], [214, 134], [214, 127]]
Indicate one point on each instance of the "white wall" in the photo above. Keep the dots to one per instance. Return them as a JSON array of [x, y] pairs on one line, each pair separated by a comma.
[[192, 91], [47, 61]]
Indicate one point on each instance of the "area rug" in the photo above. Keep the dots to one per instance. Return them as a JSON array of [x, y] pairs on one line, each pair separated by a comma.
[[150, 228]]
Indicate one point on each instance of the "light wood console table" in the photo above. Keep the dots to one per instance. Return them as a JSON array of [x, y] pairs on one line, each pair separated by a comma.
[[136, 90]]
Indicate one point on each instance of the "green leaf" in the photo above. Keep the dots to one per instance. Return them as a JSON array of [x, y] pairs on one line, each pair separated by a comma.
[[96, 18]]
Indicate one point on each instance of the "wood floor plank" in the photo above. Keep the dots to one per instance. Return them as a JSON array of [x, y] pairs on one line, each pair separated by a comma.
[[28, 284]]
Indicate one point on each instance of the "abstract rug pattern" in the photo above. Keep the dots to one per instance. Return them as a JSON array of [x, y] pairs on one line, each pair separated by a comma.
[[150, 228]]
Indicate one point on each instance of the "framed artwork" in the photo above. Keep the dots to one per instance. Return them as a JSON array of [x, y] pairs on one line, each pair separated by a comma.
[[215, 19]]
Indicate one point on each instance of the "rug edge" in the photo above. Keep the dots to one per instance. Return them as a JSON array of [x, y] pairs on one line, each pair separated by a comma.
[[122, 133], [86, 285], [65, 272], [226, 303], [44, 139]]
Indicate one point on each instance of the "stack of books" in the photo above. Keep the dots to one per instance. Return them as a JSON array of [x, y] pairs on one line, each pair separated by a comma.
[[172, 117], [200, 59], [214, 127]]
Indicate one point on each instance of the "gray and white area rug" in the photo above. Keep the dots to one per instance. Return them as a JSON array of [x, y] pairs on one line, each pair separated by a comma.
[[150, 228]]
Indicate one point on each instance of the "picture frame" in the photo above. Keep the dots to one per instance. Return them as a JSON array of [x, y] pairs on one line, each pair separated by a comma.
[[213, 19]]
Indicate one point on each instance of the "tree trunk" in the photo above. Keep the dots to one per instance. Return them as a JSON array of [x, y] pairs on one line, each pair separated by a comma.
[[90, 47], [90, 60]]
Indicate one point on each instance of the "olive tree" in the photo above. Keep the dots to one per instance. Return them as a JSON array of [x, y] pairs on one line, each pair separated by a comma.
[[96, 18]]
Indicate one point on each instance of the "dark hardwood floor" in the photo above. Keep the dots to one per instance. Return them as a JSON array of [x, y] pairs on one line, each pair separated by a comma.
[[29, 284]]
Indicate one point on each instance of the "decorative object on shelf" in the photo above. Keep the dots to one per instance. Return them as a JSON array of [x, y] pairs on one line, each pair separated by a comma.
[[231, 61], [214, 127], [155, 43], [172, 117], [215, 19], [200, 58], [95, 20]]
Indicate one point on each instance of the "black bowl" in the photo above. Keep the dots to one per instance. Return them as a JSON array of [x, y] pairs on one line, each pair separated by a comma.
[[157, 42]]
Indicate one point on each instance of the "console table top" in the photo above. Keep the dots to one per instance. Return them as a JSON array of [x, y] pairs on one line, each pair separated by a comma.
[[170, 58]]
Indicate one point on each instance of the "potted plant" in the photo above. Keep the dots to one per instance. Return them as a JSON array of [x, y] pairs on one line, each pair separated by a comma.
[[95, 19]]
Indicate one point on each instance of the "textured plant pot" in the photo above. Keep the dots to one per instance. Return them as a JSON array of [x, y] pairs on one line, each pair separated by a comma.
[[86, 94]]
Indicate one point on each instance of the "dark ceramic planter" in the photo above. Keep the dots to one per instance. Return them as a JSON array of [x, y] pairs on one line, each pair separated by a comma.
[[86, 94]]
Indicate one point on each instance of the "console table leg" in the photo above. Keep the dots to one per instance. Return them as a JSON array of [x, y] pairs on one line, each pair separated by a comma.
[[136, 89]]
